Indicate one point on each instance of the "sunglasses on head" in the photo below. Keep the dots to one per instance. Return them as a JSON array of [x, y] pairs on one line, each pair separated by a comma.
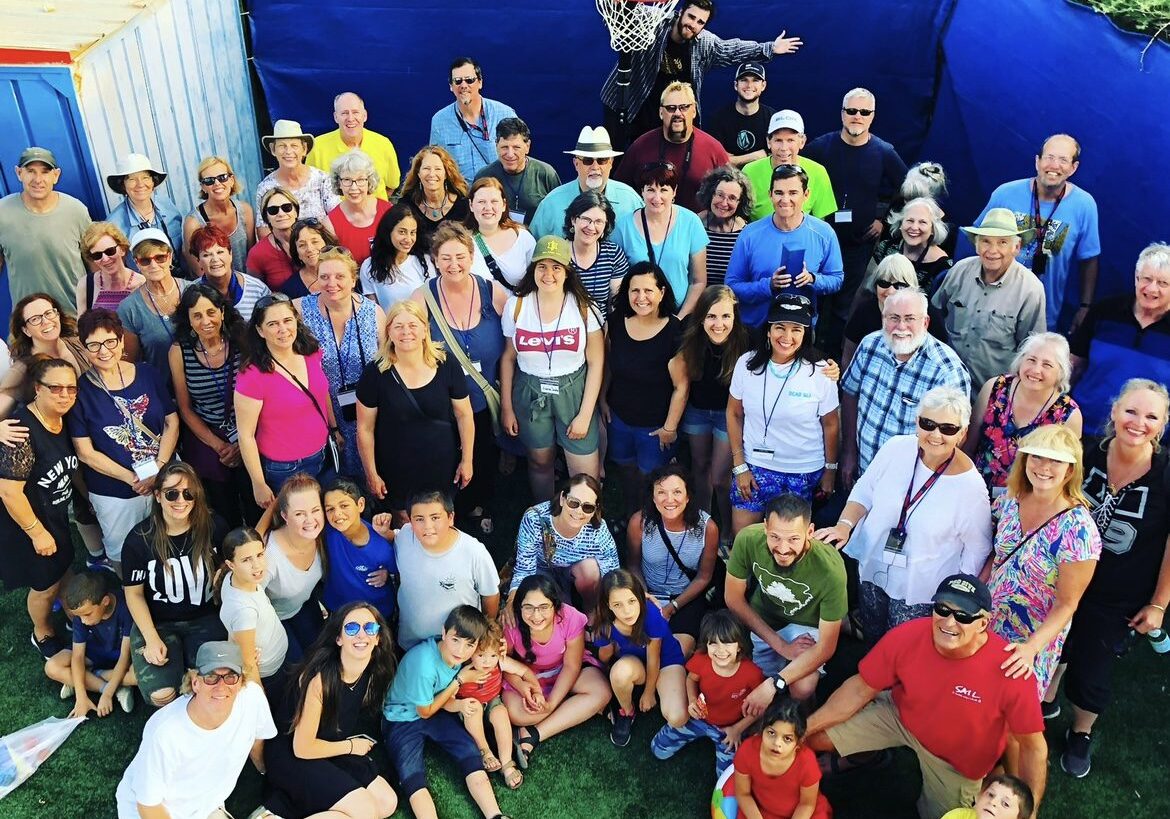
[[352, 629], [584, 506], [229, 677], [271, 299], [929, 425], [589, 160], [287, 207], [208, 181], [158, 258], [886, 283], [96, 255], [865, 112], [173, 494], [961, 617], [59, 389]]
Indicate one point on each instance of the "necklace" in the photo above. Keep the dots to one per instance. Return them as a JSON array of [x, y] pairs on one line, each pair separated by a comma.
[[435, 212], [162, 301], [53, 428]]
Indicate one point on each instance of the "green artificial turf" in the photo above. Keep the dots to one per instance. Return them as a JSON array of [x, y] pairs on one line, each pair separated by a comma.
[[580, 774]]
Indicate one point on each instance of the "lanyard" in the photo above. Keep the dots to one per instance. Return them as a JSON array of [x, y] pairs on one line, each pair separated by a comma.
[[337, 347], [764, 395], [909, 501], [1042, 225], [481, 131], [163, 320], [225, 389], [686, 163], [550, 349], [516, 191], [465, 331]]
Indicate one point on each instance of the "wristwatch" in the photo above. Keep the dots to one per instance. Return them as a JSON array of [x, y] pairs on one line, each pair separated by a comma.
[[781, 684]]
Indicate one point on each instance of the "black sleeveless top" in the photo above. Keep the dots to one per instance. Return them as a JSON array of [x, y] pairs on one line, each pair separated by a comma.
[[709, 392], [640, 385]]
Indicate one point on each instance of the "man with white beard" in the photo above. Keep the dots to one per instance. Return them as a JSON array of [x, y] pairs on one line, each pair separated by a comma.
[[892, 369], [593, 158]]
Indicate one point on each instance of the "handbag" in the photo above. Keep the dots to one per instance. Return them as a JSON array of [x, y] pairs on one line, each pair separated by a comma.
[[332, 456], [490, 393]]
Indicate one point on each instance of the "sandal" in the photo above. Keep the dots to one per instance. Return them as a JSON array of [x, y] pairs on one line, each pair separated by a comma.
[[512, 776], [491, 762], [525, 746]]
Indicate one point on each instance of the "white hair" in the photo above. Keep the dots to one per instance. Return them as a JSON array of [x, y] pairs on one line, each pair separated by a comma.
[[893, 268], [859, 92], [1059, 345], [909, 294], [938, 228], [355, 163], [1156, 255], [925, 179], [947, 399]]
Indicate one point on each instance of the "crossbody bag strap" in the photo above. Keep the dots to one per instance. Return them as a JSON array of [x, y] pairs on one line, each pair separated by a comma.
[[646, 231], [306, 391], [1028, 537], [492, 265], [687, 570], [455, 348]]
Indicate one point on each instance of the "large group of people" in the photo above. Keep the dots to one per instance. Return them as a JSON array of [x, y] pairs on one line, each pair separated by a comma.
[[278, 424]]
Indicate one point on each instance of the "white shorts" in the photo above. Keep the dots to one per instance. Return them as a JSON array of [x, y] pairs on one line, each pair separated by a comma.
[[767, 659], [116, 517]]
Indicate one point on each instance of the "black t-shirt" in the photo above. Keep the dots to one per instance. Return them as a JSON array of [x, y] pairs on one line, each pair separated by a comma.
[[1133, 524], [640, 385], [180, 588], [739, 134], [709, 392]]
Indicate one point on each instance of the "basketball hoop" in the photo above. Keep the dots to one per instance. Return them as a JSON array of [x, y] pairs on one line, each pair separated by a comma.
[[633, 24]]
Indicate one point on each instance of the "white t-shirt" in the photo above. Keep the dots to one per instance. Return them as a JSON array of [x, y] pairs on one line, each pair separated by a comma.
[[410, 277], [782, 414], [513, 262], [188, 770], [433, 584], [288, 587], [548, 350], [246, 611]]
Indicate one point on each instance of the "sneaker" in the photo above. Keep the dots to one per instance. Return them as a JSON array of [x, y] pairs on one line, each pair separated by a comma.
[[48, 646], [1077, 757], [95, 562], [66, 691], [1049, 710], [623, 725], [125, 697]]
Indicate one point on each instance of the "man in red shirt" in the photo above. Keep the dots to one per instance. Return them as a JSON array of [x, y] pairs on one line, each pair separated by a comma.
[[935, 685], [692, 152]]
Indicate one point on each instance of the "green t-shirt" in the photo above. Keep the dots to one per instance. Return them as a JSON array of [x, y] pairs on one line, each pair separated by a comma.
[[820, 202], [811, 590]]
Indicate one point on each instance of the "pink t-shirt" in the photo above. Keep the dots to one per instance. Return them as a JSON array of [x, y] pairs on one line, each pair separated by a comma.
[[289, 427], [550, 656]]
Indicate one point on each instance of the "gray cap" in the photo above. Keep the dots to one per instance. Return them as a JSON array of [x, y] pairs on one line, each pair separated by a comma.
[[35, 154], [219, 654]]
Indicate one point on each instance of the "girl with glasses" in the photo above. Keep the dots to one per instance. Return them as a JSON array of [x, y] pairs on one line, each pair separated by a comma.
[[169, 563], [355, 219], [108, 281], [217, 187], [270, 259], [38, 327], [320, 763], [36, 484], [918, 514], [599, 263]]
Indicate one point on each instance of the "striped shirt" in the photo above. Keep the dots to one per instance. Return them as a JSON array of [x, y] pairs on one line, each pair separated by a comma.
[[719, 254], [591, 542], [611, 263], [662, 573], [211, 390]]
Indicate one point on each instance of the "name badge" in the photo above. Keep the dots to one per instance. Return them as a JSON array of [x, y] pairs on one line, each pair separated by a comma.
[[764, 453], [550, 388], [894, 553], [145, 469], [347, 398], [517, 216], [843, 217]]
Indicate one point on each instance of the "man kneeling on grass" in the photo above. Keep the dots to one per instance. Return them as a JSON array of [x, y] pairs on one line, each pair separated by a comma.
[[421, 705]]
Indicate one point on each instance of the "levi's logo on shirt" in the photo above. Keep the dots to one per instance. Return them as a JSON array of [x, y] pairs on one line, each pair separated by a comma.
[[566, 338], [969, 694]]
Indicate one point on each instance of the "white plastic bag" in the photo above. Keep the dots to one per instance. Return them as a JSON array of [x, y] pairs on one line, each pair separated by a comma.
[[21, 753]]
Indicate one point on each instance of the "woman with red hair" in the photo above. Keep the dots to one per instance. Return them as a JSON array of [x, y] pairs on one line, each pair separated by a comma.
[[212, 250]]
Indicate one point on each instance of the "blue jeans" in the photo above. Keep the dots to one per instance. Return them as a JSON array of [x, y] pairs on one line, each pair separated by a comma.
[[277, 472], [405, 740], [670, 740], [628, 444]]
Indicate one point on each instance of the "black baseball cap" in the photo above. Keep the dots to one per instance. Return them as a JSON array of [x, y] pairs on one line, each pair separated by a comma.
[[965, 592], [750, 68], [791, 308]]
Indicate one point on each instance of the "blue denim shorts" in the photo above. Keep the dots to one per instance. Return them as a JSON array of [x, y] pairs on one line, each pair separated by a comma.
[[277, 472], [705, 422], [629, 444], [773, 485]]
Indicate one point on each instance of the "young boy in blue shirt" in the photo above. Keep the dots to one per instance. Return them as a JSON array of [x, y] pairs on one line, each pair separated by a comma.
[[100, 659], [421, 705]]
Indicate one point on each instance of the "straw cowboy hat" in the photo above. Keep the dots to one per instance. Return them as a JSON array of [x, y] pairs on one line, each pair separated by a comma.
[[999, 222], [594, 142], [133, 163], [287, 129]]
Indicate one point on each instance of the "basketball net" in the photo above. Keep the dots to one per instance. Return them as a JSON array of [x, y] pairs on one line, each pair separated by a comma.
[[633, 24]]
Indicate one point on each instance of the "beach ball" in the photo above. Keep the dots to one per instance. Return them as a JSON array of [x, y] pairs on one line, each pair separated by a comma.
[[723, 804]]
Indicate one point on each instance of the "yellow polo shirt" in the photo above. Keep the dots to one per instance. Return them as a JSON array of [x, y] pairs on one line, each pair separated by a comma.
[[328, 147]]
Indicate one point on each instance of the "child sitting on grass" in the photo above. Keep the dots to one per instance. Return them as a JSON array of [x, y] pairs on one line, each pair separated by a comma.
[[477, 699], [634, 640], [100, 659], [421, 705], [776, 777], [719, 675], [1003, 797]]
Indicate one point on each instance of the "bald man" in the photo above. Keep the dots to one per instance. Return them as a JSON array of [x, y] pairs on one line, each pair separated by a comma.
[[349, 112]]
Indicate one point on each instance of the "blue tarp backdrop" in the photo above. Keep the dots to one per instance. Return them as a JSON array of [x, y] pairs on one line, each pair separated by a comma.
[[973, 84]]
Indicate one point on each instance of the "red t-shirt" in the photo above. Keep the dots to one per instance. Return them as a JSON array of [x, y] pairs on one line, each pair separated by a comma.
[[960, 710], [706, 154], [724, 695], [357, 240], [485, 691], [269, 265], [777, 797]]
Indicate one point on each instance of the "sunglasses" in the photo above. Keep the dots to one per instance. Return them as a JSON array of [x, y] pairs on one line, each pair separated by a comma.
[[352, 629], [59, 389], [961, 617], [927, 425], [35, 321], [287, 207], [208, 181], [109, 344], [886, 284], [271, 299], [311, 221], [158, 258], [230, 677], [464, 80], [573, 503], [674, 109], [173, 494], [865, 112], [589, 160], [96, 255]]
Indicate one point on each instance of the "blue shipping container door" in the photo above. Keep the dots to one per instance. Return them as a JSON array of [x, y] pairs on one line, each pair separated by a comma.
[[38, 106]]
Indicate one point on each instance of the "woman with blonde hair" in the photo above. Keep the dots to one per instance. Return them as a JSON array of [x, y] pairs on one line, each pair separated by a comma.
[[415, 426], [1045, 550], [218, 183], [108, 281], [435, 190]]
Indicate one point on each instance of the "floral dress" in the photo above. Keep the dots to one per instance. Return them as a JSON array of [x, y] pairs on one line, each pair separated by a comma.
[[1023, 575], [1000, 436], [343, 364]]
